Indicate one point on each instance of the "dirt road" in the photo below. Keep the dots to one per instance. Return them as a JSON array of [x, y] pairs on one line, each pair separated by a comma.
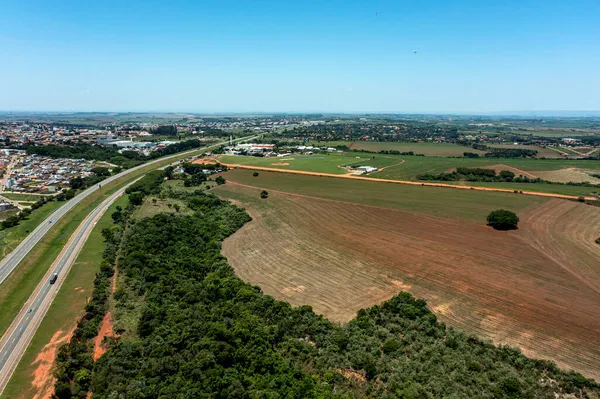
[[412, 183]]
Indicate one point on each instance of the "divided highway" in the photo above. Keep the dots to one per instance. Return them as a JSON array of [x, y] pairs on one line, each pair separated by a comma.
[[23, 328], [12, 260]]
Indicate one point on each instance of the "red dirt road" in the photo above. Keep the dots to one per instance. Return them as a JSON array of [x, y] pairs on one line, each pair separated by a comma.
[[348, 176]]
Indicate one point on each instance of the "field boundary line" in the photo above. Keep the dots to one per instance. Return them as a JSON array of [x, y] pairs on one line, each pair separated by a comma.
[[411, 183]]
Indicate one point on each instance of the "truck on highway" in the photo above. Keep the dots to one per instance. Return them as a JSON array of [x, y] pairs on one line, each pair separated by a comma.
[[53, 278]]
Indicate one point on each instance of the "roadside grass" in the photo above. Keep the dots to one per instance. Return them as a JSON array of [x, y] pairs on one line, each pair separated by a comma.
[[22, 197], [66, 308], [10, 238], [19, 285], [26, 203], [442, 202]]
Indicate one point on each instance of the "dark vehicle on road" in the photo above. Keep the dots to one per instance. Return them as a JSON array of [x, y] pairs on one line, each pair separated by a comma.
[[53, 278]]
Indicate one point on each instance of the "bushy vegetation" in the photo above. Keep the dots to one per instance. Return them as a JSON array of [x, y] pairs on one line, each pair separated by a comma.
[[126, 159], [202, 332], [502, 219]]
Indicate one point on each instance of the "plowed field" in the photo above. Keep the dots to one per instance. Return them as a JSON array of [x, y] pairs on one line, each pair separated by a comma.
[[537, 288]]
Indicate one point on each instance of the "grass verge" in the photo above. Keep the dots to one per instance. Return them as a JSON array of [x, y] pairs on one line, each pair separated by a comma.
[[66, 308], [10, 238]]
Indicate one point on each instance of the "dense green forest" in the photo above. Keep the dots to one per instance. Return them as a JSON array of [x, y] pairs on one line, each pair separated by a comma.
[[189, 328], [126, 159]]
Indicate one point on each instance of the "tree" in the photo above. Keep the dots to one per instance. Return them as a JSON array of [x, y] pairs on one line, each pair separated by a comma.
[[220, 180], [100, 171], [255, 174], [169, 172], [264, 194], [502, 219], [507, 175], [177, 207]]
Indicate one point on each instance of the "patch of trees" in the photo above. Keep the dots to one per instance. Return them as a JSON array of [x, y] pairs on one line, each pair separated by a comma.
[[470, 155], [202, 332], [165, 130], [74, 360], [126, 159], [478, 175], [502, 219], [510, 153], [149, 184]]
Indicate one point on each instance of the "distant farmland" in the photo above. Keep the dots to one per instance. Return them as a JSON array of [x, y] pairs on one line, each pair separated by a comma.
[[341, 245], [406, 167], [429, 149]]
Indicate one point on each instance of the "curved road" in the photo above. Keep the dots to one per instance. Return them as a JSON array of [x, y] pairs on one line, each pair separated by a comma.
[[12, 260]]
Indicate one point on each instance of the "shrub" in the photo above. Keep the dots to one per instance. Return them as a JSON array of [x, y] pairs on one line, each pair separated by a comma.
[[255, 174], [220, 180], [264, 194], [598, 240], [581, 199], [502, 219]]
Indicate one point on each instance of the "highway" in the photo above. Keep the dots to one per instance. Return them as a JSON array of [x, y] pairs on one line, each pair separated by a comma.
[[12, 260], [21, 331], [23, 328]]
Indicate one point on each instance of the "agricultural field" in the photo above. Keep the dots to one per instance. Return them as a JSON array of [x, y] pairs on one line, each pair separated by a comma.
[[543, 152], [428, 149], [323, 163], [406, 167], [341, 245]]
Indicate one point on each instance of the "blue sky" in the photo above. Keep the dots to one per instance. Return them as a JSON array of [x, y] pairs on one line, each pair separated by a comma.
[[298, 56]]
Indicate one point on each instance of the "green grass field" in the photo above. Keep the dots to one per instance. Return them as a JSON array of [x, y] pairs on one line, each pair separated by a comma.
[[11, 237], [323, 163], [67, 307], [414, 166], [443, 202]]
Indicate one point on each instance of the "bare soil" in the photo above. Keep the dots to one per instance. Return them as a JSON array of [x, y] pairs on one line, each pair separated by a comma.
[[106, 330], [42, 379], [568, 175], [280, 164], [537, 288]]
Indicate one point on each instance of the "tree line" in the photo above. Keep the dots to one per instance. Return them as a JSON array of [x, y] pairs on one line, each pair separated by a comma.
[[126, 159]]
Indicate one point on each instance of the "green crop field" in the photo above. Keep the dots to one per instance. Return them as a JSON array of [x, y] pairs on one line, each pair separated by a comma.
[[406, 167], [542, 152], [318, 163], [465, 204]]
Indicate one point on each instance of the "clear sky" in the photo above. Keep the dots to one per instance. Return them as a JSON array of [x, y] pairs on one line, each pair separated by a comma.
[[297, 56]]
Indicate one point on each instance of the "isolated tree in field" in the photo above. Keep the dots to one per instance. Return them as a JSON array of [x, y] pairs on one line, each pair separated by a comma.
[[220, 180], [255, 174], [264, 194], [502, 219]]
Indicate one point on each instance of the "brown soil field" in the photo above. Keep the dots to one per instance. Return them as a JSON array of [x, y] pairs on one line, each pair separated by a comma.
[[280, 164], [42, 379], [537, 288]]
